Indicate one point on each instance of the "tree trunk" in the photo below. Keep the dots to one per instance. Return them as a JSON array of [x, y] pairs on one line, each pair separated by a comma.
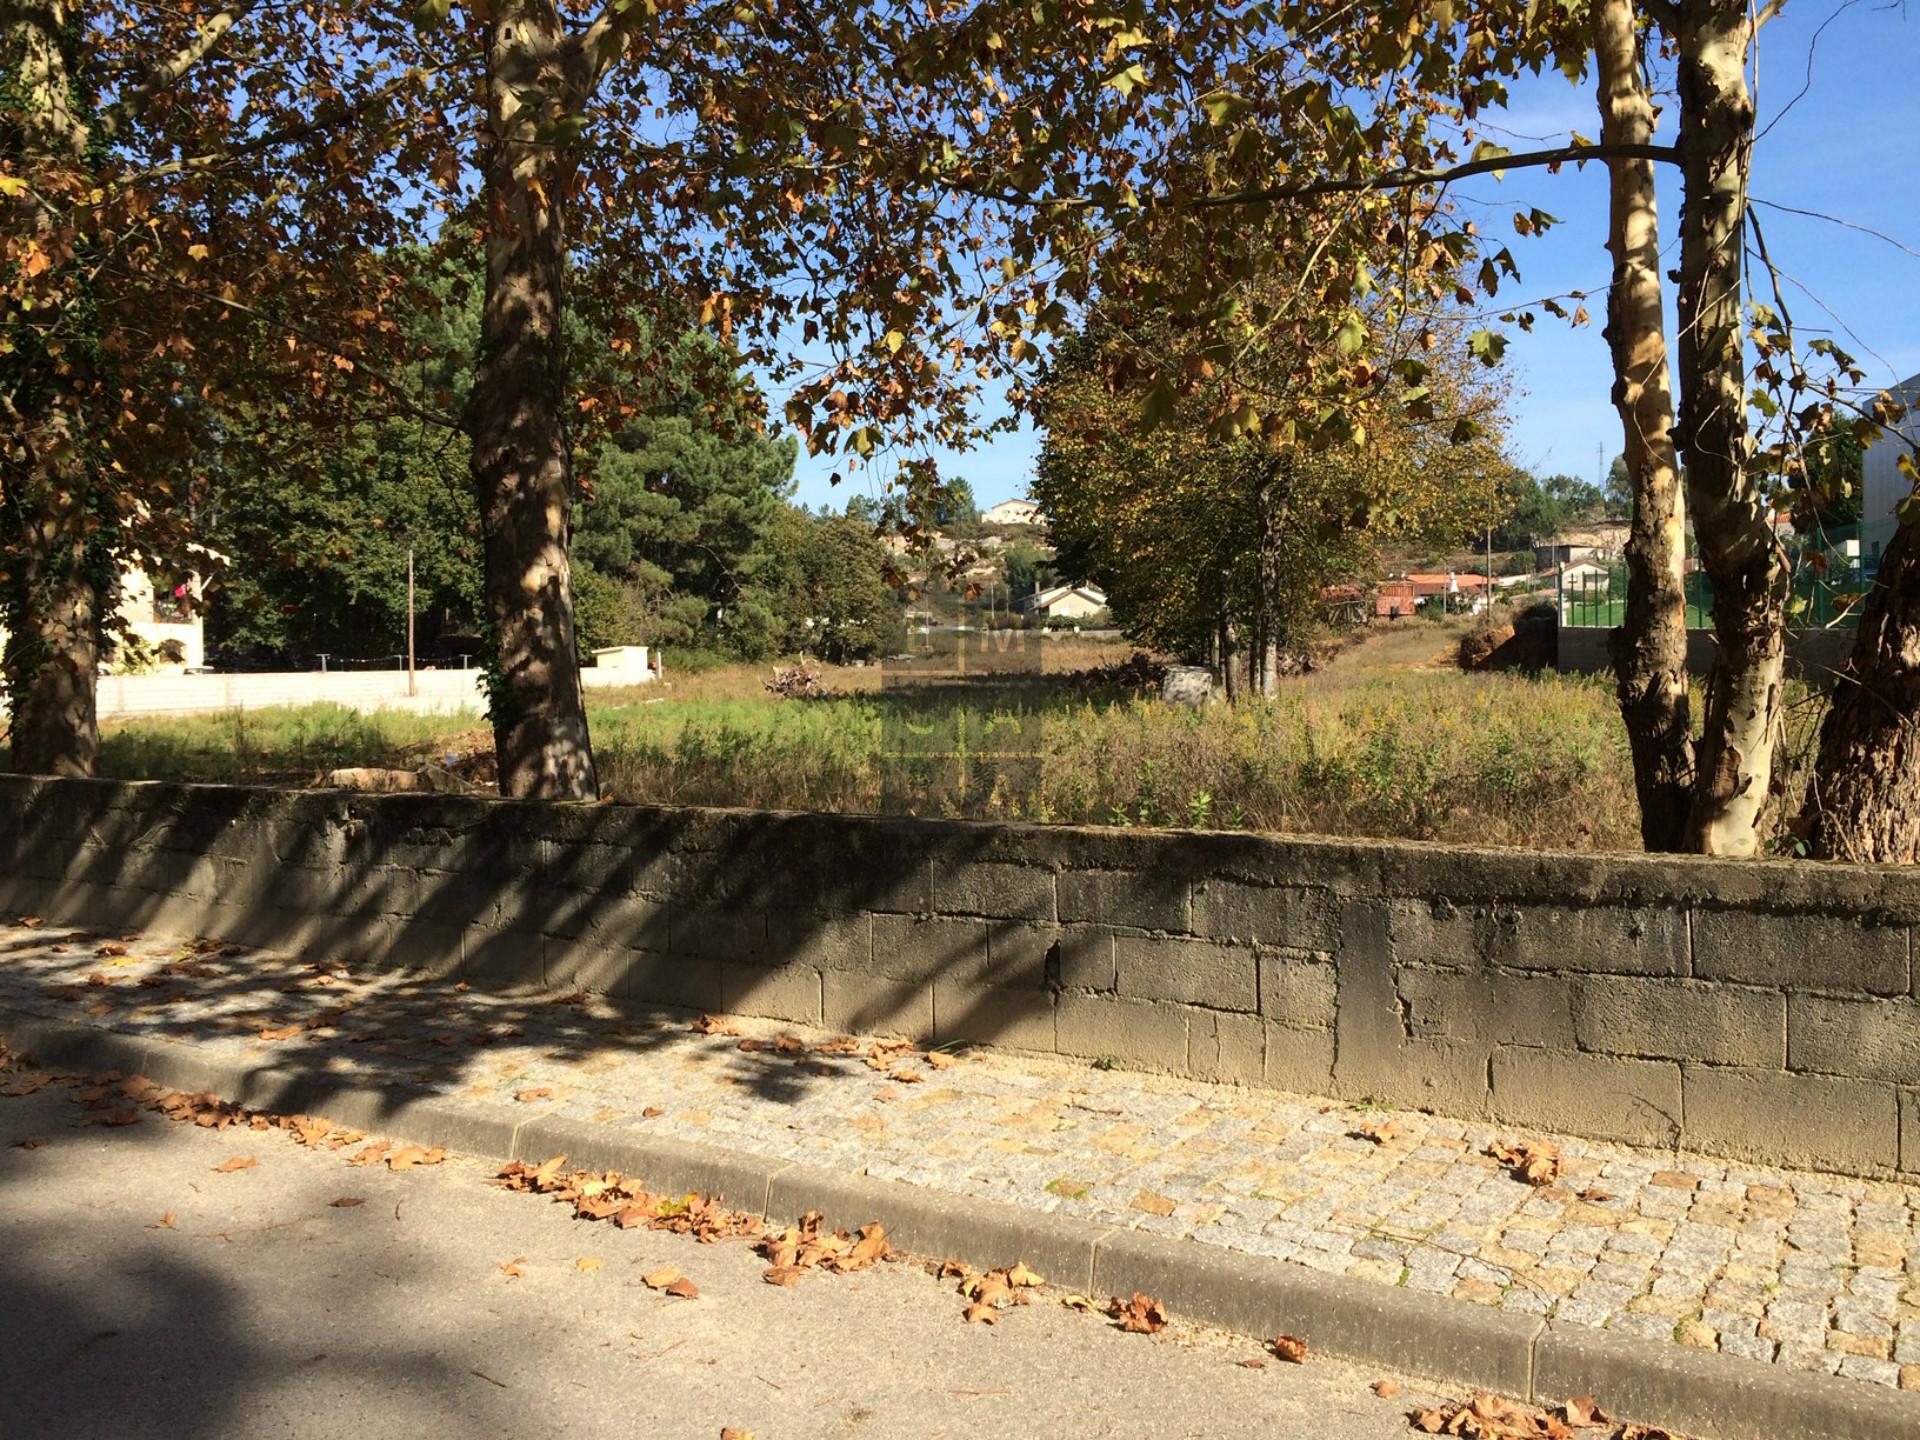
[[1273, 626], [1230, 656], [522, 463], [1738, 551], [1864, 802], [1650, 649], [56, 557]]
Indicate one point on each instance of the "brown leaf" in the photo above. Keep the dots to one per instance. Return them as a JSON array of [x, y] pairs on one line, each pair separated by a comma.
[[371, 1154], [790, 1045], [115, 1118], [714, 1025], [111, 947], [684, 1288], [1386, 1389], [1584, 1410], [409, 1156], [30, 1142], [233, 1163], [652, 1112], [939, 1059], [906, 1077], [540, 1092], [1021, 1277], [1535, 1162], [1079, 1302], [729, 1432], [512, 1268], [1378, 1131], [661, 1278], [783, 1275], [284, 1032], [165, 1222], [952, 1270], [1255, 1364], [1139, 1316], [981, 1313], [1290, 1348], [347, 1202], [587, 1262]]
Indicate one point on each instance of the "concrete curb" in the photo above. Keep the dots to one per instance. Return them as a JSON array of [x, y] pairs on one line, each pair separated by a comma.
[[1699, 1393]]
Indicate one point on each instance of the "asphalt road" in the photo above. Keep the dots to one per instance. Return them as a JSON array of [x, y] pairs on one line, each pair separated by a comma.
[[264, 1310]]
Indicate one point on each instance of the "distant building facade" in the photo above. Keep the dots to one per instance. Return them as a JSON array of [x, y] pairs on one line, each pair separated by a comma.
[[1883, 486], [1012, 512], [1067, 602]]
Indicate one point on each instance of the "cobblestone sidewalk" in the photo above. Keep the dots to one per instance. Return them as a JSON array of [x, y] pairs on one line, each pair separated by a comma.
[[1810, 1271]]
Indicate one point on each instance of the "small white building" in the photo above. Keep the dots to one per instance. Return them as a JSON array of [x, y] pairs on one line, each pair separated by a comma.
[[1012, 512], [1883, 486], [1069, 602]]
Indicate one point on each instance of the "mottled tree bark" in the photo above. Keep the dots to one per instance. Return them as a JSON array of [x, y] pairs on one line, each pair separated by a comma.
[[54, 600], [1738, 550], [1230, 656], [1650, 649], [1864, 801], [522, 463]]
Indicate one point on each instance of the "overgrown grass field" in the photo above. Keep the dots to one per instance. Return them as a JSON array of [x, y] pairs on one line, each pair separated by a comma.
[[1389, 739]]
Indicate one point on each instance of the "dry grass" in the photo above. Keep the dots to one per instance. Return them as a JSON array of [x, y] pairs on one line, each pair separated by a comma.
[[1387, 739]]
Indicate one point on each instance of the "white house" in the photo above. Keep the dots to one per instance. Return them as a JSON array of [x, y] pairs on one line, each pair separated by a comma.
[[1882, 485], [1012, 512], [1071, 602]]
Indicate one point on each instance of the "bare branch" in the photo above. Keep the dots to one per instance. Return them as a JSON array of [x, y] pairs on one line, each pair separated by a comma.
[[168, 71]]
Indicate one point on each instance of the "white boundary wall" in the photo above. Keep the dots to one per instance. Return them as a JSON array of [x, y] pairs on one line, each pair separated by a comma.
[[441, 692]]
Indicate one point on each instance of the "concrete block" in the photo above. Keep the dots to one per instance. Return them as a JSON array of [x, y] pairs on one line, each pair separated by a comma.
[[1436, 1075], [1910, 1132], [1699, 1392], [826, 942], [1300, 1060], [1359, 1320], [1486, 1007], [719, 934], [1135, 1032], [1603, 1096], [1085, 959], [1819, 1121], [1602, 939], [1138, 899], [1288, 915], [574, 965], [1297, 990], [1190, 972], [912, 948], [691, 982], [990, 1015], [498, 960], [866, 1005], [1874, 1039], [782, 992], [1816, 952], [1701, 1020], [1226, 1047], [607, 920], [1019, 955], [1009, 892]]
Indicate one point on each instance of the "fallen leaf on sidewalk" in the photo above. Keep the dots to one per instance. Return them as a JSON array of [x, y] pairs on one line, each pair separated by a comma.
[[906, 1077], [540, 1092], [684, 1288], [939, 1059], [652, 1112], [1141, 1315], [1290, 1348], [409, 1156], [587, 1262], [512, 1268], [1079, 1302], [347, 1202], [111, 947], [981, 1313], [1535, 1162], [1021, 1277], [1488, 1417], [783, 1275], [728, 1432], [371, 1154], [1583, 1411], [1386, 1389], [714, 1025], [233, 1163], [283, 1032], [661, 1278], [115, 1118], [1255, 1364], [1378, 1131], [165, 1222]]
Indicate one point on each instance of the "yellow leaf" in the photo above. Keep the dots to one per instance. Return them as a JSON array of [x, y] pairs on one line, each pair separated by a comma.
[[198, 252], [587, 1262]]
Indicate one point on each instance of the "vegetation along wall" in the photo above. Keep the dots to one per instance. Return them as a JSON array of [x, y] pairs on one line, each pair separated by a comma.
[[1766, 1010]]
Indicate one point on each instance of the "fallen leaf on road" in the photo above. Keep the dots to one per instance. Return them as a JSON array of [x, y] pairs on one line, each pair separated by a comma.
[[1488, 1417], [939, 1059], [540, 1092], [371, 1154], [283, 1032], [1594, 1195], [1141, 1315], [981, 1313], [906, 1077], [409, 1156], [1253, 1364], [728, 1432], [1378, 1131], [165, 1222], [587, 1262], [652, 1112], [783, 1275], [347, 1202], [714, 1025], [1584, 1410], [1290, 1348], [661, 1278], [1021, 1277], [233, 1163], [512, 1268], [1079, 1302], [111, 947], [684, 1288], [1386, 1389]]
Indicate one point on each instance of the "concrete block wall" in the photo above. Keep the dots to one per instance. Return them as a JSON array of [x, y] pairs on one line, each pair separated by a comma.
[[1763, 1010]]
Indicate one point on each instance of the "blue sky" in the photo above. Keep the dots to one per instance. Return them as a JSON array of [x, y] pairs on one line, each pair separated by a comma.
[[1850, 147]]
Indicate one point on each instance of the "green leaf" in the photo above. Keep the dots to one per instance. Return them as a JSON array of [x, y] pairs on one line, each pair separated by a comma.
[[1128, 79], [1362, 279], [1223, 107], [1350, 337], [894, 340], [1487, 346], [430, 14]]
